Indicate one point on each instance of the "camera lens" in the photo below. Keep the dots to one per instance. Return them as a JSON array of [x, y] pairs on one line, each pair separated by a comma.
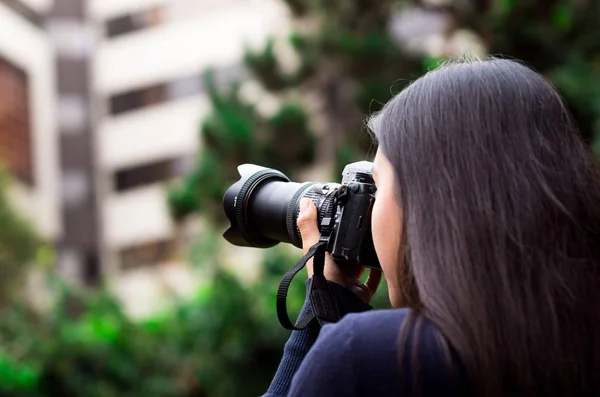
[[263, 207]]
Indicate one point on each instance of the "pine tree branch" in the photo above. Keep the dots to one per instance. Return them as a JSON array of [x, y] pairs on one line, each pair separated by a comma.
[[265, 66]]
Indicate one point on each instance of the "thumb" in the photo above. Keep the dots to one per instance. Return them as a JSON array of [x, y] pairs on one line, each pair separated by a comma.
[[307, 223]]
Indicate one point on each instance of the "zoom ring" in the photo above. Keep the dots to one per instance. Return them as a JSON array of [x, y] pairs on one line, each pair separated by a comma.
[[324, 204], [292, 213]]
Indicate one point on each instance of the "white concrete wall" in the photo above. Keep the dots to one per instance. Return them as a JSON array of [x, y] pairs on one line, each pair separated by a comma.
[[29, 48], [39, 6], [175, 9], [145, 291], [106, 9], [158, 132], [187, 47], [137, 216], [196, 35]]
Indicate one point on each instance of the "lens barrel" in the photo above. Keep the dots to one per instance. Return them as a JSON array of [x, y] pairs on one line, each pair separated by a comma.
[[263, 206]]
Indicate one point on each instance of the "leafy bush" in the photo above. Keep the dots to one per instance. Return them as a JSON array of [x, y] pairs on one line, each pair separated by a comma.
[[226, 341], [18, 243]]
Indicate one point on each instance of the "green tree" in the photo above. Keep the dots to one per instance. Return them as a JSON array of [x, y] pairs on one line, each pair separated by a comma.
[[347, 62], [237, 133], [224, 341], [352, 64], [558, 38], [18, 243]]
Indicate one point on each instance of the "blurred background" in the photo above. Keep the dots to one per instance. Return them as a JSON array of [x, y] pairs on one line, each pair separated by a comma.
[[121, 125]]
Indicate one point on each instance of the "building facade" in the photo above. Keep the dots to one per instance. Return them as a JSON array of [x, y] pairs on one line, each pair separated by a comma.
[[148, 79], [100, 105], [28, 128], [150, 99], [72, 36]]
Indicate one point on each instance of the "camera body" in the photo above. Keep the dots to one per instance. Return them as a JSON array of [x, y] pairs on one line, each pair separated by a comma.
[[353, 203], [263, 207]]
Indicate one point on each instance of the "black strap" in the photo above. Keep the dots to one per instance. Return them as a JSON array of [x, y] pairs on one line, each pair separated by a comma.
[[323, 306]]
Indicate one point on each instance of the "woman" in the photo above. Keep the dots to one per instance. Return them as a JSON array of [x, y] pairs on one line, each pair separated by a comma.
[[487, 227]]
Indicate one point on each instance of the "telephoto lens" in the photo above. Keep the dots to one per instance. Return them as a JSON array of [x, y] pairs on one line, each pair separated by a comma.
[[263, 207]]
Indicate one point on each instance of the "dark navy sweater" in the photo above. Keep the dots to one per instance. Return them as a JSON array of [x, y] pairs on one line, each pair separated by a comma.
[[358, 356]]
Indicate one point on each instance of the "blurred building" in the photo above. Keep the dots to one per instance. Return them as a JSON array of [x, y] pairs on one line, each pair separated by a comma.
[[100, 105], [72, 36], [28, 126], [147, 77]]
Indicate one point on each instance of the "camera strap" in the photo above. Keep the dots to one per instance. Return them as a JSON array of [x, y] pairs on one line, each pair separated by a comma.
[[323, 306]]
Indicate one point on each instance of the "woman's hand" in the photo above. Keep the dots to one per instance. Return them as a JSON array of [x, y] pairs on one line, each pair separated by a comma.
[[349, 278]]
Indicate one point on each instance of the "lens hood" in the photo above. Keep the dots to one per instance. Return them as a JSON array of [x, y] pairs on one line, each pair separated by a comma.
[[237, 199]]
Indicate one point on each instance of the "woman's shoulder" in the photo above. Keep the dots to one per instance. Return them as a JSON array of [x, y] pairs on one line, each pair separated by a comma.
[[373, 338], [380, 330], [379, 319], [386, 324], [374, 334]]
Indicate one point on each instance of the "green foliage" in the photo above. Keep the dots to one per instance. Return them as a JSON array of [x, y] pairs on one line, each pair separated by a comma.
[[307, 49], [559, 38], [381, 299], [18, 243], [346, 58], [236, 133], [223, 342], [226, 341], [298, 7], [349, 61], [289, 138], [266, 66]]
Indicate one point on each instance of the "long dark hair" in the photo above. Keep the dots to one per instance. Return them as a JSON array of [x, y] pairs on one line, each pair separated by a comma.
[[501, 215]]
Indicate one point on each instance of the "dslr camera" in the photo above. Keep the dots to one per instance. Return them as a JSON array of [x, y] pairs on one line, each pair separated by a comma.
[[263, 207]]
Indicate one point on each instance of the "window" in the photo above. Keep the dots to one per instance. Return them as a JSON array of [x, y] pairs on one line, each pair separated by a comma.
[[156, 94], [156, 172], [130, 23], [148, 254], [15, 124], [24, 11], [179, 88], [137, 99], [170, 12], [92, 271], [133, 177]]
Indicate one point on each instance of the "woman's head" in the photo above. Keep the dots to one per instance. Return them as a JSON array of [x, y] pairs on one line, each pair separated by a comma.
[[495, 200]]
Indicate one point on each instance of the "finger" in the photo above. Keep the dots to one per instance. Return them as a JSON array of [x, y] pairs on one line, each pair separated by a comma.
[[354, 272], [307, 223], [362, 271], [373, 280]]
